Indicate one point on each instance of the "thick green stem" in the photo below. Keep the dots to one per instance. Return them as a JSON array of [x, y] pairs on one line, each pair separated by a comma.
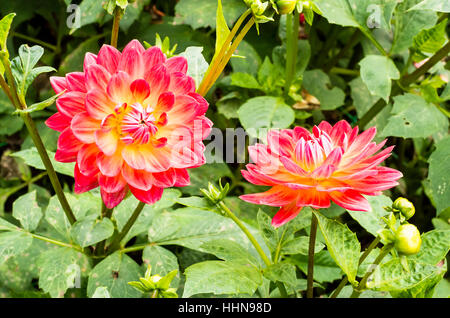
[[37, 41], [312, 244], [292, 31], [254, 242], [361, 259], [116, 243], [116, 22], [362, 285], [374, 41]]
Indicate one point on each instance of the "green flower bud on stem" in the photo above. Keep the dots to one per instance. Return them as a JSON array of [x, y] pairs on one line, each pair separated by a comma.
[[405, 207], [285, 6], [407, 239]]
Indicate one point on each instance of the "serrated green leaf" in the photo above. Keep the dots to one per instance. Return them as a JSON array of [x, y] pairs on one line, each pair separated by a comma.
[[430, 40], [27, 211], [89, 231], [229, 250], [32, 158], [13, 243], [435, 5], [342, 244], [60, 269], [371, 221], [434, 248], [114, 273], [318, 84], [252, 61], [377, 72], [221, 277], [281, 272], [325, 268], [438, 175], [413, 117], [265, 112], [392, 276], [300, 245]]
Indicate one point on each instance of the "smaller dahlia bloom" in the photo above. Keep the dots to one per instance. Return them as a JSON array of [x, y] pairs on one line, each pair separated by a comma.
[[333, 163], [131, 121]]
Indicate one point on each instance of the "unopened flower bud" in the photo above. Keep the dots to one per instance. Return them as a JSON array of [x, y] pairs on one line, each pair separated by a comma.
[[405, 207], [407, 239], [285, 6]]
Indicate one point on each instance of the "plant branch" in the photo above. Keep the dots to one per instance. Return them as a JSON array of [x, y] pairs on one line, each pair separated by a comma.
[[116, 242], [115, 29], [312, 244], [374, 41], [366, 253], [31, 39], [292, 31]]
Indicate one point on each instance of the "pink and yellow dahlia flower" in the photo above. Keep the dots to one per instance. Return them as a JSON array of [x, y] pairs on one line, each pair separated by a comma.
[[131, 121], [333, 163]]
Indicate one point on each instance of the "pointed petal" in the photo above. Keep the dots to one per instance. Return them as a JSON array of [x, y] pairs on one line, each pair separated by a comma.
[[111, 200], [84, 183], [107, 141], [84, 127], [67, 141], [276, 196], [150, 196], [110, 166], [285, 214], [58, 122], [153, 56], [71, 103], [109, 58], [181, 84], [58, 83], [76, 81], [140, 90], [98, 105], [350, 200], [87, 160], [177, 64], [139, 179], [112, 184], [119, 87], [97, 77], [131, 61]]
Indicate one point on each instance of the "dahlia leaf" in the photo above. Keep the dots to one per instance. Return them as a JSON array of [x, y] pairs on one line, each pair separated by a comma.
[[221, 278], [27, 211], [41, 105], [114, 273], [281, 272], [91, 11], [252, 61], [162, 261], [244, 80], [392, 276], [6, 226], [32, 158], [429, 41], [5, 25], [434, 248], [325, 268], [265, 112], [408, 24], [342, 244], [229, 250], [413, 117], [377, 72], [300, 245], [438, 175], [89, 231], [371, 221], [197, 64], [318, 84], [13, 243], [222, 30], [435, 5], [101, 292], [62, 268]]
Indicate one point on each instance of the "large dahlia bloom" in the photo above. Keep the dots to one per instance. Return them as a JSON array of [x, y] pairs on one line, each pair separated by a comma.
[[130, 121], [333, 163]]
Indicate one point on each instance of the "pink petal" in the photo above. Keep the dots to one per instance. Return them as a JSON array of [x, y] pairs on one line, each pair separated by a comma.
[[182, 178], [181, 84], [149, 197], [58, 83], [203, 104], [142, 158], [111, 200], [153, 56], [119, 87], [184, 109], [65, 156], [140, 90], [350, 200], [112, 184], [165, 179], [98, 105], [276, 196], [177, 64], [89, 59], [71, 103], [84, 127], [67, 141], [58, 122], [84, 183], [313, 198], [109, 58], [107, 141], [165, 102], [131, 61], [159, 80], [110, 166], [76, 81], [285, 214], [87, 160], [139, 179], [97, 77]]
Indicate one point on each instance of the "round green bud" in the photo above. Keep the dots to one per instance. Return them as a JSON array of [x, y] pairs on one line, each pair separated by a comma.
[[407, 239], [286, 6], [405, 207]]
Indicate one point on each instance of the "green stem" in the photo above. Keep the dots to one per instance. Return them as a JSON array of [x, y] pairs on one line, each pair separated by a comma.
[[215, 75], [254, 242], [106, 213], [49, 240], [116, 243], [218, 56], [135, 248], [362, 285], [115, 29], [37, 41], [312, 244], [361, 259], [292, 31], [374, 41], [344, 71]]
